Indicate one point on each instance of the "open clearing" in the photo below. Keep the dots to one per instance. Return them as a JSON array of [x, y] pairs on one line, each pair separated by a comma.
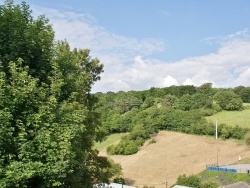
[[175, 154], [232, 118]]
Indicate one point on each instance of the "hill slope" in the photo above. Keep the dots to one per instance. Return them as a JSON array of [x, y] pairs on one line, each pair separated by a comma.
[[232, 118], [175, 154]]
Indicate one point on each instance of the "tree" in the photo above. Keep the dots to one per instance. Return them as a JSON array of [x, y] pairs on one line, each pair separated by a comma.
[[47, 113], [205, 89], [243, 92], [186, 102], [228, 100], [148, 102], [21, 36], [169, 100]]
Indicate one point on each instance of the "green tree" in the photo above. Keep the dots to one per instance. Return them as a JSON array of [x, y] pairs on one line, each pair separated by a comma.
[[243, 92], [228, 100], [185, 103], [47, 114], [205, 89], [21, 36], [168, 100], [148, 102]]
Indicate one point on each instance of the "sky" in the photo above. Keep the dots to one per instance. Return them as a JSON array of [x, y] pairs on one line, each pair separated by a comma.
[[157, 43]]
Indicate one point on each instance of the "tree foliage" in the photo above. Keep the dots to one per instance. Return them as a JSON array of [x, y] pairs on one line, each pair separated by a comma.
[[194, 181], [22, 36], [175, 108], [243, 92], [48, 116], [228, 100]]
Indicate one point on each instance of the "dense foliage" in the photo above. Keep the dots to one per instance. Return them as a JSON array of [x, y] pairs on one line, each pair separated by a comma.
[[175, 108], [195, 181], [47, 114]]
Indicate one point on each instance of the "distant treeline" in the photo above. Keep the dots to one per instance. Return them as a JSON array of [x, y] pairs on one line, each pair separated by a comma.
[[175, 108]]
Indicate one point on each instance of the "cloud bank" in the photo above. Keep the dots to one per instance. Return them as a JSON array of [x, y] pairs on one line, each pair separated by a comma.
[[131, 63]]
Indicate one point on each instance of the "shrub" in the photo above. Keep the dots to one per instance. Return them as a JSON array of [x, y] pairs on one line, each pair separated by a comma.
[[191, 181], [209, 185], [152, 141]]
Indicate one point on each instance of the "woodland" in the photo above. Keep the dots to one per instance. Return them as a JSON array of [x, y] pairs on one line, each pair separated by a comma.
[[141, 114]]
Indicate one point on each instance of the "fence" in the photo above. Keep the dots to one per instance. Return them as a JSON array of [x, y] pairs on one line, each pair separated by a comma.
[[216, 168]]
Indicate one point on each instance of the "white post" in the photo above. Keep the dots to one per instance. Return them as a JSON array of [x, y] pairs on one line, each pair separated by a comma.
[[216, 136], [216, 131]]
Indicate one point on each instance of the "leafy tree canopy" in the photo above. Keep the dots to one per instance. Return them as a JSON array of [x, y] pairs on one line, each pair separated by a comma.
[[228, 100], [47, 114]]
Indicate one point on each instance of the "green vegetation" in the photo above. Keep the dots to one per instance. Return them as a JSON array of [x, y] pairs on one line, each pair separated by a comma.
[[228, 100], [47, 113], [195, 181], [176, 108], [223, 178], [212, 179], [109, 140], [232, 118], [50, 120]]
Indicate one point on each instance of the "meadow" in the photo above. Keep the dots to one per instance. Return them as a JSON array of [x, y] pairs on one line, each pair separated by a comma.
[[232, 118]]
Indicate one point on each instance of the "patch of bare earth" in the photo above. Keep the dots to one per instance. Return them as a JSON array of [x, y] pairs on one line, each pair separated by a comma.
[[175, 154]]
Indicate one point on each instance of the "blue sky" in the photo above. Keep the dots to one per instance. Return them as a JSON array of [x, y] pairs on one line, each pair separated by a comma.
[[157, 43]]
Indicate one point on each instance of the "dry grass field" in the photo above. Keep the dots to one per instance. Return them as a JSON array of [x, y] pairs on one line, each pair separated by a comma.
[[175, 154]]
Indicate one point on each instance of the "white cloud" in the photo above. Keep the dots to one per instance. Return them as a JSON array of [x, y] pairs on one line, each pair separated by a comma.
[[188, 81], [83, 31], [243, 78], [239, 35], [229, 67], [127, 62], [169, 81]]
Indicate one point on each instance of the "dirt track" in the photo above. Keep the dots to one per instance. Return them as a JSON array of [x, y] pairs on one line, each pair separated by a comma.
[[175, 154]]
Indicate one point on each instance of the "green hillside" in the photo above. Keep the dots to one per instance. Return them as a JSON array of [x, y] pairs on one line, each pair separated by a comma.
[[232, 118], [111, 139]]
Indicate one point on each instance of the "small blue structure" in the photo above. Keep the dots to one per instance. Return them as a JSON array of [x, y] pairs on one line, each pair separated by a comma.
[[216, 168]]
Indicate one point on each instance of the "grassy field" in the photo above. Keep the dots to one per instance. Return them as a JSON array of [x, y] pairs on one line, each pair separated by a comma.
[[232, 118], [174, 154], [112, 139]]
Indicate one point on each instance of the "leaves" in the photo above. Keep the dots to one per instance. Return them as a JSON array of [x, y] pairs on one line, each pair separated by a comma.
[[47, 114]]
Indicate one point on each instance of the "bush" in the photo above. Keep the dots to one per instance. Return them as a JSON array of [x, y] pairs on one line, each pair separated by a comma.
[[209, 185], [238, 132], [191, 181], [225, 132], [152, 141], [120, 180], [125, 147]]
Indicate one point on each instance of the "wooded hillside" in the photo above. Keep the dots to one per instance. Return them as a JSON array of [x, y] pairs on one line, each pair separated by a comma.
[[175, 108]]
